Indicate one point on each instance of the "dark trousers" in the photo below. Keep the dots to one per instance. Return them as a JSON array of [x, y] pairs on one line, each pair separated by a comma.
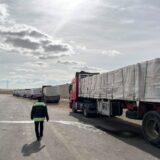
[[39, 129]]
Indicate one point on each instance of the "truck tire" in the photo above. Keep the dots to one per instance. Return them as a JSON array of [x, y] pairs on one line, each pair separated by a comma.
[[85, 112], [131, 114], [74, 110], [57, 101], [151, 127]]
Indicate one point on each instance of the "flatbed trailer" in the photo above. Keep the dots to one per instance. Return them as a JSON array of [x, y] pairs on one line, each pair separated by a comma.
[[135, 88]]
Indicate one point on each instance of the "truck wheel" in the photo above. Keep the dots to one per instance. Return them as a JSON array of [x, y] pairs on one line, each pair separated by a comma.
[[131, 114], [85, 112], [74, 110], [57, 101], [151, 127]]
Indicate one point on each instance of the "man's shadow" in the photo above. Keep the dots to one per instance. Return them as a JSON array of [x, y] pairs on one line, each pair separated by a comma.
[[34, 147]]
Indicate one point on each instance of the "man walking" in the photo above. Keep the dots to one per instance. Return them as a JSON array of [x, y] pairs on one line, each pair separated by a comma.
[[38, 114]]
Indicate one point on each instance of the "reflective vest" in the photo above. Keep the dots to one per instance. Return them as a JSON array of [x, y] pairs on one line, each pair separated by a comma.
[[39, 104]]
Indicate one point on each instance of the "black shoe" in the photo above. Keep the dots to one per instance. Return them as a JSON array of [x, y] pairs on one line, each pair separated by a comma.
[[38, 139]]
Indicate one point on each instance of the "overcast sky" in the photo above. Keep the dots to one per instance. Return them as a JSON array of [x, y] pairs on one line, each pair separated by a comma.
[[47, 41]]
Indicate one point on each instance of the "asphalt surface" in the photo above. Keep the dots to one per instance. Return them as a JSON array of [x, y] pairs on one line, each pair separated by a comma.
[[68, 136]]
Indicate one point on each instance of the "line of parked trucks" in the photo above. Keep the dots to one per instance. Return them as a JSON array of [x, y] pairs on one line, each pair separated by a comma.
[[48, 93], [135, 88]]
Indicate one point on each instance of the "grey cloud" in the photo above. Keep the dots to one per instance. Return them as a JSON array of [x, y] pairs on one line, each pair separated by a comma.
[[111, 53], [56, 48], [35, 33], [89, 69], [40, 44], [70, 62], [21, 31], [12, 33], [27, 37], [41, 64], [54, 56], [45, 42], [27, 40], [45, 57], [23, 70], [23, 43]]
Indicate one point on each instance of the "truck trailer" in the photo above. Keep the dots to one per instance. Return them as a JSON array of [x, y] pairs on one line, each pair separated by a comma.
[[51, 93], [36, 93], [135, 88]]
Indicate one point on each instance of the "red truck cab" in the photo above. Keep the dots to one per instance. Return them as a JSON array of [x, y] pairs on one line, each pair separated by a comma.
[[74, 87], [73, 91]]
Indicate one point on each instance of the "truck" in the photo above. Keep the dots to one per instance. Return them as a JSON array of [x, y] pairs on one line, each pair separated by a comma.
[[26, 93], [36, 93], [51, 93], [134, 89]]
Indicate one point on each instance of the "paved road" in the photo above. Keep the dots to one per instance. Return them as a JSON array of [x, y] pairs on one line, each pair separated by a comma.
[[68, 136]]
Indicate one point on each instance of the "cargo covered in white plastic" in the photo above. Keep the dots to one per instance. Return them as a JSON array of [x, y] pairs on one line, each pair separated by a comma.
[[36, 92], [27, 93], [139, 82], [51, 93]]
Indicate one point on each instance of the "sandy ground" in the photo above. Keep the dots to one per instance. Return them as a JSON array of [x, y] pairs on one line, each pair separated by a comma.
[[69, 136]]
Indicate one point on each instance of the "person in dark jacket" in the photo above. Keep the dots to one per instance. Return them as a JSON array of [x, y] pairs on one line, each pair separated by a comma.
[[38, 114]]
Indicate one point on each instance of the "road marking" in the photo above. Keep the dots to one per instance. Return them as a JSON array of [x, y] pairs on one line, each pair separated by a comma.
[[51, 121], [71, 123], [80, 125], [16, 122]]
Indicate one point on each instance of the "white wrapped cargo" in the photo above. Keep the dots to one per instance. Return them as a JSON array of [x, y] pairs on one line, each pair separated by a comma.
[[36, 92], [140, 82], [27, 93], [51, 93]]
